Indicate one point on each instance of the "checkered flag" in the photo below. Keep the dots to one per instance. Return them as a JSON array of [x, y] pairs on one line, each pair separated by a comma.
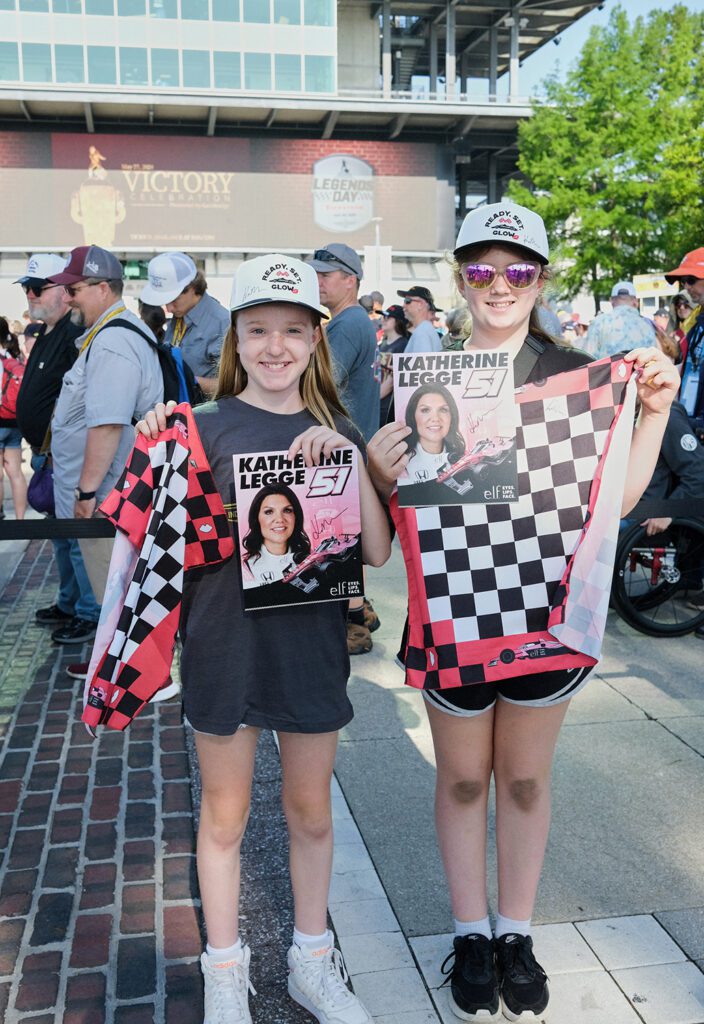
[[497, 591], [170, 517]]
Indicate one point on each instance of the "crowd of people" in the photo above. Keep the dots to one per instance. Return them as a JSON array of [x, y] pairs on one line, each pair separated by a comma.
[[306, 370]]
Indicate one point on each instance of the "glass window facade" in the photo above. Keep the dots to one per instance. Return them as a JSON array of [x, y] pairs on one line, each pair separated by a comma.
[[131, 8], [257, 71], [133, 66], [67, 6], [39, 6], [196, 69], [319, 12], [9, 63], [100, 7], [69, 63], [257, 11], [36, 62], [195, 10], [7, 5], [226, 66], [163, 8], [320, 74], [226, 10], [287, 72], [102, 65], [165, 70], [287, 12]]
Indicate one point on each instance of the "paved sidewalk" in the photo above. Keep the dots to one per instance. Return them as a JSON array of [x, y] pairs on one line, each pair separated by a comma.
[[99, 914]]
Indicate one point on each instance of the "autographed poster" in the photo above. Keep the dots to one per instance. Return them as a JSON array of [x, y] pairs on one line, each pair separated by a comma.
[[461, 410], [299, 528]]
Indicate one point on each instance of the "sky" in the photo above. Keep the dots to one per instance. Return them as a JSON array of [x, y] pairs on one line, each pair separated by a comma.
[[536, 68]]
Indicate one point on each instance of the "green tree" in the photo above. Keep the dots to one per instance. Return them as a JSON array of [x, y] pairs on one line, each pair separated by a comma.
[[613, 157]]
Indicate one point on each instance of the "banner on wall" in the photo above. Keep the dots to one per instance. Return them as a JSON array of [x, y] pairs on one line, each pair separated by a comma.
[[146, 192]]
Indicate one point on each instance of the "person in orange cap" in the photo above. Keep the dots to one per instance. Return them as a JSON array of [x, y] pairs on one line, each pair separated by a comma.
[[690, 275]]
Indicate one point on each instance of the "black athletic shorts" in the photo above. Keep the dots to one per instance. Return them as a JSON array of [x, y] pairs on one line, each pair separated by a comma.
[[541, 690]]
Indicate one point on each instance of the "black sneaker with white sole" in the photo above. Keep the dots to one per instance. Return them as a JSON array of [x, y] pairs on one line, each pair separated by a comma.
[[77, 631], [474, 985], [53, 615], [524, 983]]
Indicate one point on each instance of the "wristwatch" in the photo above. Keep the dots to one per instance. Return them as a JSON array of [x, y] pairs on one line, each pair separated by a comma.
[[80, 495]]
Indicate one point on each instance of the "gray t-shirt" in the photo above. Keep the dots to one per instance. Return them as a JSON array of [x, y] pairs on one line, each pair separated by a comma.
[[281, 668], [424, 339], [353, 345], [206, 326], [120, 382]]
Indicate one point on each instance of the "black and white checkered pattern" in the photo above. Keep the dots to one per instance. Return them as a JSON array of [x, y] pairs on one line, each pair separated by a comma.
[[495, 572]]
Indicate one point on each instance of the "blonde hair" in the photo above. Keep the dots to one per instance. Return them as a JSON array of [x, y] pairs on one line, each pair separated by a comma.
[[316, 386]]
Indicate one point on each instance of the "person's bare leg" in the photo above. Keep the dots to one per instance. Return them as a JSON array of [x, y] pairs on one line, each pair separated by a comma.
[[524, 745], [226, 767], [463, 752], [307, 762], [18, 484]]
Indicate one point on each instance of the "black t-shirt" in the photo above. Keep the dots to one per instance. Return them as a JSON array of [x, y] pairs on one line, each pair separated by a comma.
[[543, 359], [679, 472], [52, 355]]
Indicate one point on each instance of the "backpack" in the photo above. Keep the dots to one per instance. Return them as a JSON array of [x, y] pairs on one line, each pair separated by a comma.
[[12, 373], [180, 384]]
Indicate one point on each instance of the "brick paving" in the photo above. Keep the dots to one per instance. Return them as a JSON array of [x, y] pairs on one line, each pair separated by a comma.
[[99, 915]]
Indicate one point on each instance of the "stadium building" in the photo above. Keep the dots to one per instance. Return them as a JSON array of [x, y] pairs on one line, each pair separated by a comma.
[[230, 127]]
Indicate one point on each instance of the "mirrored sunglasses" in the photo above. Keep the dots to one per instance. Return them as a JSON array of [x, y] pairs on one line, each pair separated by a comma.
[[517, 275]]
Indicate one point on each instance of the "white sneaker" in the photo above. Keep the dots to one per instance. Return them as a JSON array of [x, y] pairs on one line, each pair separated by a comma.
[[317, 982], [227, 988], [171, 689]]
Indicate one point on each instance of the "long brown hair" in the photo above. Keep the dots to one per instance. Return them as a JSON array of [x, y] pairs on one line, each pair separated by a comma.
[[316, 386], [476, 252]]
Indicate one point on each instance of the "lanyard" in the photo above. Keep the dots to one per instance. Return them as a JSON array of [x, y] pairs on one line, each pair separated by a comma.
[[180, 327], [101, 323]]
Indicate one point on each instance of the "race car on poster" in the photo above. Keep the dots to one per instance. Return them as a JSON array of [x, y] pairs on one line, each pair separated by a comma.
[[306, 574], [492, 451], [531, 649]]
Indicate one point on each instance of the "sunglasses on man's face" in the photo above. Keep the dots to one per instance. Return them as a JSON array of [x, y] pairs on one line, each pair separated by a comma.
[[74, 289], [37, 287], [689, 281], [518, 275]]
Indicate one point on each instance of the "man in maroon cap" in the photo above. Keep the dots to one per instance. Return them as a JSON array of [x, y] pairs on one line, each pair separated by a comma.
[[114, 381]]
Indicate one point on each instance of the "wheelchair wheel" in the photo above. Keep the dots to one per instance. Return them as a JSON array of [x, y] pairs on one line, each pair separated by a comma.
[[654, 578]]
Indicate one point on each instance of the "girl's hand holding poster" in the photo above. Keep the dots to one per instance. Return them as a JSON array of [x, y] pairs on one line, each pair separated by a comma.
[[299, 528], [461, 411]]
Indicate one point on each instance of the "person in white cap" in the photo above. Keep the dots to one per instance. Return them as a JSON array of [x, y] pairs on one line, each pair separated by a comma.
[[52, 355], [621, 329], [507, 727], [285, 669], [198, 321]]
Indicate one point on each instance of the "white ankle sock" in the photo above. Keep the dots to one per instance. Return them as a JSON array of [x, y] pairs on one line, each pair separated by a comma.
[[482, 927], [221, 956], [323, 941], [507, 926]]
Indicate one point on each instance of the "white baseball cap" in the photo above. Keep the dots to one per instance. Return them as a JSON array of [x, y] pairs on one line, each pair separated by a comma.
[[623, 288], [276, 278], [169, 273], [41, 266], [505, 222]]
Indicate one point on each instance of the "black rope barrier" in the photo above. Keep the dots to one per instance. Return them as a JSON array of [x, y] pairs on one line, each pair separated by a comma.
[[45, 529], [48, 528]]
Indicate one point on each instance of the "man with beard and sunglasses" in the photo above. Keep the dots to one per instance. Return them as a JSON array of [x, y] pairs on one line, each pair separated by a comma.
[[114, 381], [52, 355]]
